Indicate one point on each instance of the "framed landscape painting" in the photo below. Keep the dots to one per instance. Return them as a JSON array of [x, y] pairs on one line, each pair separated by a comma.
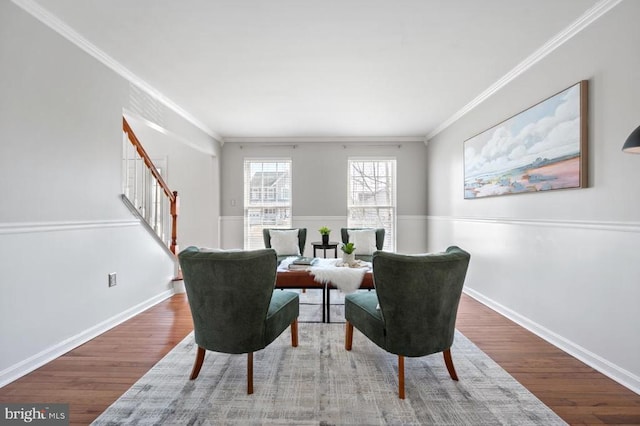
[[540, 149]]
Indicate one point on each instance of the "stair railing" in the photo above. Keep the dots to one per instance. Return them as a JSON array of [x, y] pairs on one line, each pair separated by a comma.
[[147, 191]]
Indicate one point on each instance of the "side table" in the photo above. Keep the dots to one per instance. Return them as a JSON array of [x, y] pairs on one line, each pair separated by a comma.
[[332, 245]]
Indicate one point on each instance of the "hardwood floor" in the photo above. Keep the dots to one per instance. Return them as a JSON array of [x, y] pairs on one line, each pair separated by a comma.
[[94, 375], [575, 391]]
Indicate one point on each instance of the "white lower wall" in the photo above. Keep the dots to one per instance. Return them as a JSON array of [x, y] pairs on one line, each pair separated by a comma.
[[231, 232], [411, 231], [57, 295], [562, 263], [63, 226], [567, 281]]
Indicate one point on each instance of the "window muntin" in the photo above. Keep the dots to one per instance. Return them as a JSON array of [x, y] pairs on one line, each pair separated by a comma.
[[267, 199], [371, 199]]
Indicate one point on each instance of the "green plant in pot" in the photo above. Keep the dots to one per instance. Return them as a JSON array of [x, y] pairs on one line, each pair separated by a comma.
[[348, 255], [324, 231]]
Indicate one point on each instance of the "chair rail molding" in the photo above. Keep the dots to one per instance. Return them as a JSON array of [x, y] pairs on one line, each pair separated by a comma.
[[30, 227], [621, 226]]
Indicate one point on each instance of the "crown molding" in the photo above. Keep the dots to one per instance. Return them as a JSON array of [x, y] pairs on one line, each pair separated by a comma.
[[324, 139], [586, 19], [53, 22], [590, 16]]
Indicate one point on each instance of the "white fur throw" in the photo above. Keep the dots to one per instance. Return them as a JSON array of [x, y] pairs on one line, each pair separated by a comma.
[[345, 279]]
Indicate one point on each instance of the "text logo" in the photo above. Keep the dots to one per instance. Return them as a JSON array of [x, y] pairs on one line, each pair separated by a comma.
[[34, 414]]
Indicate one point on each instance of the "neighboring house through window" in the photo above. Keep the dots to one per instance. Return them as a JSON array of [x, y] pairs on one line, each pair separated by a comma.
[[267, 198], [371, 199]]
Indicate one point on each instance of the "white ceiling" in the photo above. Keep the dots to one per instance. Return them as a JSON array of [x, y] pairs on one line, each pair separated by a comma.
[[320, 68]]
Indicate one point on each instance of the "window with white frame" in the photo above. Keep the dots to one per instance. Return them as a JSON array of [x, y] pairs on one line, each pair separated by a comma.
[[267, 198], [372, 196]]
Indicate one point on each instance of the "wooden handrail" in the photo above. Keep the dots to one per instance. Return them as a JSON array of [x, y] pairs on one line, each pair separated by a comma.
[[171, 195], [145, 157]]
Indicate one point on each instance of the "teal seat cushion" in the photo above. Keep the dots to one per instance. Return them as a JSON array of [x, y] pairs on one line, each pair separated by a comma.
[[283, 309], [361, 308]]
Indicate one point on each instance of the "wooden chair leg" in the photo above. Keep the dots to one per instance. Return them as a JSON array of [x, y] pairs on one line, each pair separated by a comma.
[[401, 376], [449, 363], [348, 338], [198, 364], [249, 373], [294, 333]]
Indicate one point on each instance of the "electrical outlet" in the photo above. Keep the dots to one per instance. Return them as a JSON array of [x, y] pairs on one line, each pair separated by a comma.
[[112, 279]]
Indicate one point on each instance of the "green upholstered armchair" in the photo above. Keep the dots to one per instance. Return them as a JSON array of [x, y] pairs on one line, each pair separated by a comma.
[[234, 306], [418, 298], [379, 235], [284, 253]]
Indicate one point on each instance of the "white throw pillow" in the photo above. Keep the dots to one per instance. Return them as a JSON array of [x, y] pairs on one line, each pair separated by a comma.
[[285, 243], [364, 240]]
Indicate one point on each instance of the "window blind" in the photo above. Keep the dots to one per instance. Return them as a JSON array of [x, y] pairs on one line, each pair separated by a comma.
[[371, 199], [267, 198]]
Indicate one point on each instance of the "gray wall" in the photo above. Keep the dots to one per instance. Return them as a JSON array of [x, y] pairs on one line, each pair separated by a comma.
[[319, 172], [563, 263], [63, 227]]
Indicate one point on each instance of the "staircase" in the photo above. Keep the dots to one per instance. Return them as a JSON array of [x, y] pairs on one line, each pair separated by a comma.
[[147, 194]]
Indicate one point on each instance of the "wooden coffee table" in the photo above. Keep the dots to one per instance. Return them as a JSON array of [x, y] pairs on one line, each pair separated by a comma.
[[304, 280]]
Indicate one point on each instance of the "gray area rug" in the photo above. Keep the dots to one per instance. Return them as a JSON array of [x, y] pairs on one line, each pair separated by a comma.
[[320, 383]]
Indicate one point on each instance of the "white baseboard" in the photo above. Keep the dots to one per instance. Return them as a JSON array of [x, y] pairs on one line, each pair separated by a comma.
[[26, 366], [178, 287], [596, 362]]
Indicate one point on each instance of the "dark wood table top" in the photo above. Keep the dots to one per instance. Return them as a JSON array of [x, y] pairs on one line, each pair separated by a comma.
[[301, 278]]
